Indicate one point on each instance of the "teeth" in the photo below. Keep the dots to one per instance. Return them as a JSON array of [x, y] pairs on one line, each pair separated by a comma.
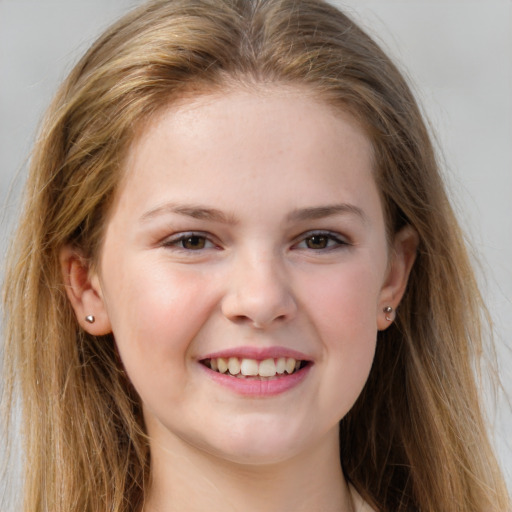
[[249, 367], [234, 365], [290, 365], [267, 368], [252, 368], [222, 365]]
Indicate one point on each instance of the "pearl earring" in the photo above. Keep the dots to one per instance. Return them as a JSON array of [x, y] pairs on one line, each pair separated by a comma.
[[90, 319], [388, 310]]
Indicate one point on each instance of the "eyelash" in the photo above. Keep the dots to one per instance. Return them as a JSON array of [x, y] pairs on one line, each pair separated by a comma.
[[331, 240], [182, 238]]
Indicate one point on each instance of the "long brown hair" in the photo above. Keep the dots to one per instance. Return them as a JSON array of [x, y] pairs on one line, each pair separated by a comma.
[[416, 438]]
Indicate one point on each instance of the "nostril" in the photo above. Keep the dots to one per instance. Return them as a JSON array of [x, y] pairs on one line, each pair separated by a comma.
[[261, 325]]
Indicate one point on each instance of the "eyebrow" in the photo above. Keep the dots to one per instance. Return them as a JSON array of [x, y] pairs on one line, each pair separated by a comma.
[[194, 211], [215, 215], [319, 212]]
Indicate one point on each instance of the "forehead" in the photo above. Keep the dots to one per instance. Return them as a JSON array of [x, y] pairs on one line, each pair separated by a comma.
[[270, 114], [243, 139]]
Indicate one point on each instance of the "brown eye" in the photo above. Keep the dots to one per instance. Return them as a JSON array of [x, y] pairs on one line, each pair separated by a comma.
[[189, 241], [321, 241], [193, 242], [317, 242]]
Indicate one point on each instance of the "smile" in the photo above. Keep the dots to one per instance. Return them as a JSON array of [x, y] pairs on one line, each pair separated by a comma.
[[252, 368]]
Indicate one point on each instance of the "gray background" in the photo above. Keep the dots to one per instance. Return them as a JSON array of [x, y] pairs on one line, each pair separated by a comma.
[[457, 53]]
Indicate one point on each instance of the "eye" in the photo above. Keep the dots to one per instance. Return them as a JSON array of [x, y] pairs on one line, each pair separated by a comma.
[[193, 242], [321, 241], [189, 242], [317, 242]]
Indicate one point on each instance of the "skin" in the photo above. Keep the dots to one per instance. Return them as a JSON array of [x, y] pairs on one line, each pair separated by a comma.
[[254, 176]]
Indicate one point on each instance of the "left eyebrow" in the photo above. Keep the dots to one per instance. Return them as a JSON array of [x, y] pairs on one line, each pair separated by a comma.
[[319, 212]]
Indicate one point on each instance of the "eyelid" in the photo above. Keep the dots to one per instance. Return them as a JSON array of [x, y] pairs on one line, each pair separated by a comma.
[[341, 240], [172, 241]]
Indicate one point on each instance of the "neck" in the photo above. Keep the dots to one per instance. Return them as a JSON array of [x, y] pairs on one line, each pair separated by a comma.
[[185, 478]]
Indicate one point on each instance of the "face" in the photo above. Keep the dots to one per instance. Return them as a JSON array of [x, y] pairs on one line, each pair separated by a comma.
[[247, 238]]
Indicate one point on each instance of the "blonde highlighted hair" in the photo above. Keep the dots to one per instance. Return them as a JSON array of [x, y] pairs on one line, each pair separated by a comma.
[[416, 438]]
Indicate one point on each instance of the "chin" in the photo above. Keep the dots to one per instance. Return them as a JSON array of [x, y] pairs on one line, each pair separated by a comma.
[[250, 455], [260, 443]]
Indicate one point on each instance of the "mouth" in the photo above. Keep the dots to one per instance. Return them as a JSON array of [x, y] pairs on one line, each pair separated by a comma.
[[246, 368]]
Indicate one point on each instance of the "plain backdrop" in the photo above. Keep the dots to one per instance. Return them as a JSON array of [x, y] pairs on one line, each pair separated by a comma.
[[457, 54]]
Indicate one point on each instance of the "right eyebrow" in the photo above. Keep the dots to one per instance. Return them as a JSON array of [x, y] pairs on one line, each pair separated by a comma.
[[189, 210]]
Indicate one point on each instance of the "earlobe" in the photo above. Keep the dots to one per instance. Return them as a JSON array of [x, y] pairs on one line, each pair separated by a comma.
[[402, 258], [83, 289]]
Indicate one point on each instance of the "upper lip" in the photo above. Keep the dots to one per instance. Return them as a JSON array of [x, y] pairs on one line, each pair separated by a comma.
[[258, 353]]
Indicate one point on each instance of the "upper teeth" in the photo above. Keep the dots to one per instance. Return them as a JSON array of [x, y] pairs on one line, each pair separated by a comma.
[[252, 367]]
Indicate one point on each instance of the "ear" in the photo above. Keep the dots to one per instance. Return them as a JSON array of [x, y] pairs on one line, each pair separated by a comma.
[[402, 257], [84, 292]]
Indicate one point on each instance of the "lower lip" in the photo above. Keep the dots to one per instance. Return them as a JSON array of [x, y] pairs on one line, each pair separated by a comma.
[[259, 388]]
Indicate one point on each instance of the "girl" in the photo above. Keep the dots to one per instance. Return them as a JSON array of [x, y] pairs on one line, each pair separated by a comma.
[[238, 284]]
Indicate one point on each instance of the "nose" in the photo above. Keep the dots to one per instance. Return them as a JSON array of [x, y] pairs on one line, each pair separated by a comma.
[[259, 293]]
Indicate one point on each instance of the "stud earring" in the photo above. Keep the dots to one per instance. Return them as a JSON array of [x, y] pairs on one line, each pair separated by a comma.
[[388, 310], [90, 319]]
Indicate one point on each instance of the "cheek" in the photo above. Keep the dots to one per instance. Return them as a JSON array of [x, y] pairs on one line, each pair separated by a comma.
[[155, 314], [344, 300], [343, 310]]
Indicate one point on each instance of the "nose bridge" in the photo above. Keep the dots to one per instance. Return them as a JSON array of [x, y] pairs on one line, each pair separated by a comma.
[[259, 290]]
